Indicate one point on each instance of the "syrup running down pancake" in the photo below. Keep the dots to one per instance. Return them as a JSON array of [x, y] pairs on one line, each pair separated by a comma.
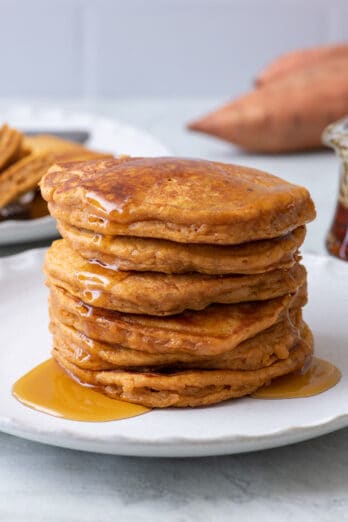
[[257, 352], [161, 294], [190, 387], [213, 331], [159, 255]]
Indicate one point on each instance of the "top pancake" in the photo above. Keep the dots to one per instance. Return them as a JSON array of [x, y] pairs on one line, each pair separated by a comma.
[[181, 200]]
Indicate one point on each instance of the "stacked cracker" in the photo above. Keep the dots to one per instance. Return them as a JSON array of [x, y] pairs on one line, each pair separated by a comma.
[[178, 282], [24, 160]]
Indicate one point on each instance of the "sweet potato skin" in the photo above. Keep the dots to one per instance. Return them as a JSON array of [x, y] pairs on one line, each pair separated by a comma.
[[285, 115], [295, 61]]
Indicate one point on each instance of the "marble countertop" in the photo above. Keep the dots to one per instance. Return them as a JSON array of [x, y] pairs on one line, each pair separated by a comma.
[[306, 481]]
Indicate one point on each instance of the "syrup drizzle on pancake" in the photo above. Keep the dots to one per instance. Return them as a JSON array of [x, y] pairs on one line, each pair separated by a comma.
[[48, 389]]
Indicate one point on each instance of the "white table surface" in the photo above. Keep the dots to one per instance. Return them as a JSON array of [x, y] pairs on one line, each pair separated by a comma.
[[308, 481]]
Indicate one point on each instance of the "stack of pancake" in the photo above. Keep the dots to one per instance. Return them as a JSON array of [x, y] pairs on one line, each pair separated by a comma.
[[178, 282], [25, 159]]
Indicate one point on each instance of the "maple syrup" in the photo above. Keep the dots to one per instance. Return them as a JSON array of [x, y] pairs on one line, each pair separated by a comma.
[[337, 239], [97, 279], [47, 388], [320, 376]]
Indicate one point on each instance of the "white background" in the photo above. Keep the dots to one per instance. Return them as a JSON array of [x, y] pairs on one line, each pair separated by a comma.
[[87, 48]]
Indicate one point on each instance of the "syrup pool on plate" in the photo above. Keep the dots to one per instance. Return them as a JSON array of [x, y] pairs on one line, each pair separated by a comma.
[[47, 388], [320, 376]]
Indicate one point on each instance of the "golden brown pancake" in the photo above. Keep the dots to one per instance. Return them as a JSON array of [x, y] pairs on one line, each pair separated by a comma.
[[188, 201], [186, 387], [257, 352], [161, 294], [210, 332], [10, 146], [159, 255], [177, 282]]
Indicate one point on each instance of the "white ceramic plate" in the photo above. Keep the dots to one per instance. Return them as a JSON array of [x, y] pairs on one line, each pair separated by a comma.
[[231, 427], [105, 135]]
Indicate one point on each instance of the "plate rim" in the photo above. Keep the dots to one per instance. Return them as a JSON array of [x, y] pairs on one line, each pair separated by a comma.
[[174, 447], [25, 223]]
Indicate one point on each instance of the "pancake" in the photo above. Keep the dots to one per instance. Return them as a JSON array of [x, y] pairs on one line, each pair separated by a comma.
[[261, 350], [161, 294], [188, 201], [210, 332], [22, 176], [10, 146], [190, 387], [159, 255]]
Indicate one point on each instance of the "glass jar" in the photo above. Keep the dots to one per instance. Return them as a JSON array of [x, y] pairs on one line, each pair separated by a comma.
[[336, 136]]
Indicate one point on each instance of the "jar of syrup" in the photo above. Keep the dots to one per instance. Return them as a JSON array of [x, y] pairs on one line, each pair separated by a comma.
[[336, 136]]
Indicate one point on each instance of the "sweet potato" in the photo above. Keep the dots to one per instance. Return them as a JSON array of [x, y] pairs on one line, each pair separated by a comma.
[[288, 114], [296, 60]]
